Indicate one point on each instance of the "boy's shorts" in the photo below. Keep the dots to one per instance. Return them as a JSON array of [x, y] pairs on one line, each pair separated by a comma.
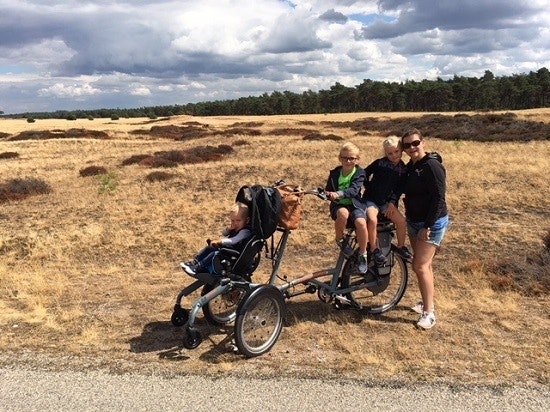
[[354, 212], [381, 208]]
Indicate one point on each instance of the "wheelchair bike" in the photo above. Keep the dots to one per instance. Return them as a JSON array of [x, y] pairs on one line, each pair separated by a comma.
[[259, 310]]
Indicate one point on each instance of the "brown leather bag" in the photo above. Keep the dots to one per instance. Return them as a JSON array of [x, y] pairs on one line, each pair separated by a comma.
[[291, 211]]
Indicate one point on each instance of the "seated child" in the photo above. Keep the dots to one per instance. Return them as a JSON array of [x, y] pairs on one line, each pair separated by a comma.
[[343, 188], [383, 186], [236, 236]]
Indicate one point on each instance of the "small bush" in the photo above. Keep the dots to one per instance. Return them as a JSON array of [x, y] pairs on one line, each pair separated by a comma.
[[158, 176], [155, 161], [135, 159], [107, 182], [320, 136], [28, 186], [16, 189], [30, 120], [173, 155], [9, 155], [115, 117], [241, 142], [93, 171], [71, 117]]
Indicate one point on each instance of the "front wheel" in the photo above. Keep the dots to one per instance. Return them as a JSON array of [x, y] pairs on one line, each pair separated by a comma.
[[374, 292], [259, 320], [223, 308]]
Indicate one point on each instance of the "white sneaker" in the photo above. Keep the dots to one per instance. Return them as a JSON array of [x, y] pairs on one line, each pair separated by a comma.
[[426, 321], [418, 308]]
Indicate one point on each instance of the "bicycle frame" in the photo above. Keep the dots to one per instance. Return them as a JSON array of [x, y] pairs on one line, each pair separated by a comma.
[[330, 287]]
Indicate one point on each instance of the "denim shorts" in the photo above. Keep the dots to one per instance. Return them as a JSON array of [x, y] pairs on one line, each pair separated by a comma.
[[354, 212], [437, 231], [381, 208]]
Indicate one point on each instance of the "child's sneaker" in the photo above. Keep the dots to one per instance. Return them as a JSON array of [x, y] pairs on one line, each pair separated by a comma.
[[344, 247], [190, 268], [426, 321], [363, 265], [418, 308], [379, 257], [404, 252]]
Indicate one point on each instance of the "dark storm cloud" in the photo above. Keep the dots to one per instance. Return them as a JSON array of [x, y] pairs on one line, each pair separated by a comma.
[[333, 16], [421, 15]]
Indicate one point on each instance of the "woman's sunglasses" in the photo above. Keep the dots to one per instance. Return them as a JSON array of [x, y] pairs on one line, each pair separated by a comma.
[[411, 144]]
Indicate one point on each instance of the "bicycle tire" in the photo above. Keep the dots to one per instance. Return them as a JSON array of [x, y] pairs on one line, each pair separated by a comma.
[[376, 293], [259, 320], [223, 308]]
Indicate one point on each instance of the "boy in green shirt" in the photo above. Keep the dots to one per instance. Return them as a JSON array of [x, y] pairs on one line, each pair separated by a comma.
[[343, 188]]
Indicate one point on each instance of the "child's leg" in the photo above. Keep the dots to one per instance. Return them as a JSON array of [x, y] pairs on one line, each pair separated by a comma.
[[204, 253], [205, 262], [400, 227], [372, 222], [361, 233], [342, 215]]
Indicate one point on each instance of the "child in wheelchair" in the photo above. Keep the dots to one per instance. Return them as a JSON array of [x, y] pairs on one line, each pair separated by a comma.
[[235, 237]]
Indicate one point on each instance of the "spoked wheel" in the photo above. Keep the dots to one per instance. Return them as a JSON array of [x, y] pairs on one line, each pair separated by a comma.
[[259, 320], [180, 316], [376, 293], [223, 308], [192, 338]]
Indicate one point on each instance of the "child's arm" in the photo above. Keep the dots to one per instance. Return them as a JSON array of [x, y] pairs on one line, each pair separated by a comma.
[[232, 241]]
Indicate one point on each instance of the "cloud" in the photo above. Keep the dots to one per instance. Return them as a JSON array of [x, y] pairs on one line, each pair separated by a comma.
[[70, 54]]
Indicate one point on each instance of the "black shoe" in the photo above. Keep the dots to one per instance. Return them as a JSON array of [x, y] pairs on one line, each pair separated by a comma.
[[404, 253], [344, 247], [379, 257]]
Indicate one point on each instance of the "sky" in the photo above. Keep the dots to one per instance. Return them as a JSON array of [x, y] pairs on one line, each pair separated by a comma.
[[92, 54]]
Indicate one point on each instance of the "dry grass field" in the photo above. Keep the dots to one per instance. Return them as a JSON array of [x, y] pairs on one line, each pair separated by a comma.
[[89, 263]]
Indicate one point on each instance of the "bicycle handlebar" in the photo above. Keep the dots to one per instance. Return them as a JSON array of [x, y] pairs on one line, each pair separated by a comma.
[[319, 192]]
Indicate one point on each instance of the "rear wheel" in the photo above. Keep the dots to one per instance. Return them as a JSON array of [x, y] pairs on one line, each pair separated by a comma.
[[223, 308], [259, 320], [376, 293]]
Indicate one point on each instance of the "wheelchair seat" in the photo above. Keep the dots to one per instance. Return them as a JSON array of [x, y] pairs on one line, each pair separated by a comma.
[[240, 264]]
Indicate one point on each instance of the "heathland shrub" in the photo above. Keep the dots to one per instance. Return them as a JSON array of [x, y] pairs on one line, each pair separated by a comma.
[[158, 176], [93, 171], [9, 155], [173, 158], [156, 161], [135, 159], [15, 189], [320, 136]]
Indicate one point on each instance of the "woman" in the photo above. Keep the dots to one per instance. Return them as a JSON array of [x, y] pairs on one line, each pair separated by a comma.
[[427, 217]]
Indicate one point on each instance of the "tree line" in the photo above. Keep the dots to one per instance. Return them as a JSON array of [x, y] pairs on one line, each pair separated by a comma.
[[515, 92]]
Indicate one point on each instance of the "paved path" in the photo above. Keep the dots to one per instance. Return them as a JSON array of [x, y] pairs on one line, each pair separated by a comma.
[[35, 390]]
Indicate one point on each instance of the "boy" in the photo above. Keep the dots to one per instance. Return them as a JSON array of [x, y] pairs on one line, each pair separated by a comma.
[[383, 186], [236, 235], [343, 188]]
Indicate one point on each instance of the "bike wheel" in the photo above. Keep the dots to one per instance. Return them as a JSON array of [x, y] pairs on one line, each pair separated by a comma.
[[259, 320], [223, 308], [376, 293]]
